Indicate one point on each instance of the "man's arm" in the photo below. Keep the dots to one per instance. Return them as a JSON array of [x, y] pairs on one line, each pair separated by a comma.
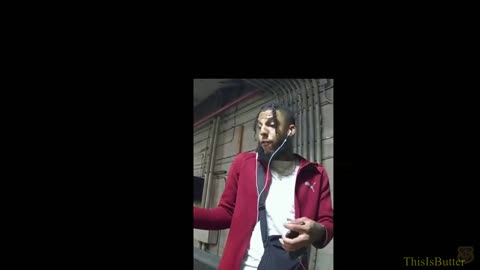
[[324, 227], [220, 217], [318, 233]]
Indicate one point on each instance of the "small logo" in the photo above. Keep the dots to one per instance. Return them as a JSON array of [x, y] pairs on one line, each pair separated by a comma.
[[465, 254], [310, 185]]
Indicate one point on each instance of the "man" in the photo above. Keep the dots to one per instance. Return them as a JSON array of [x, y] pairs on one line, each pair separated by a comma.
[[298, 197]]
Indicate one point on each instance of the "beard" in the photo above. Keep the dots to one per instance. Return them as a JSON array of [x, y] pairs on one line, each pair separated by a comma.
[[285, 149]]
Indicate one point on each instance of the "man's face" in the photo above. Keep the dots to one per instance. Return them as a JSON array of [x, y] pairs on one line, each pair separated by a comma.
[[268, 139]]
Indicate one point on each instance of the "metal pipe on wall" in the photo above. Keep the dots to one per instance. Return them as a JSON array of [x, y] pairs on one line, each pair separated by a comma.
[[275, 92], [281, 88], [287, 87], [224, 132], [265, 84], [211, 163], [319, 120], [272, 87], [306, 149], [240, 140], [312, 150], [207, 165], [298, 94], [296, 101], [304, 119], [198, 131], [289, 96], [251, 107], [255, 83], [202, 167], [288, 93], [296, 113], [311, 127], [226, 107], [325, 88], [266, 87], [276, 88]]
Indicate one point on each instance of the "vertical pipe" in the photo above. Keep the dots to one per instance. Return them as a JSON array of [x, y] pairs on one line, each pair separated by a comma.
[[319, 120], [297, 114], [311, 127], [294, 106], [298, 90], [272, 89], [289, 93], [259, 86], [279, 87], [207, 165], [272, 92], [283, 89], [306, 150], [276, 89], [304, 119], [319, 128], [296, 101], [314, 145], [254, 83], [202, 166], [267, 88], [290, 103], [212, 161], [206, 186], [325, 91], [240, 139]]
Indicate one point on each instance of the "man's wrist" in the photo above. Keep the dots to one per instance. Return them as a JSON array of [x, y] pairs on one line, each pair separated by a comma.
[[319, 233]]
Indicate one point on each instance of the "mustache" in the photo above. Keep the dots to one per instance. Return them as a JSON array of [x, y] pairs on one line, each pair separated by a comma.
[[287, 147]]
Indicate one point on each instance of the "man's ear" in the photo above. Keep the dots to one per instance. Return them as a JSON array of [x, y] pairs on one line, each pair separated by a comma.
[[291, 130]]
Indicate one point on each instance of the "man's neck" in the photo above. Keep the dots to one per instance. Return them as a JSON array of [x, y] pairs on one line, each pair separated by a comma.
[[288, 156]]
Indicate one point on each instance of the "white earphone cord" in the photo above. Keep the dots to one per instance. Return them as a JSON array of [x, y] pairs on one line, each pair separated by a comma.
[[265, 185], [268, 165]]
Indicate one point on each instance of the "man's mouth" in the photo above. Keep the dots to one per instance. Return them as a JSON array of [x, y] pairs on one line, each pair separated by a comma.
[[266, 143]]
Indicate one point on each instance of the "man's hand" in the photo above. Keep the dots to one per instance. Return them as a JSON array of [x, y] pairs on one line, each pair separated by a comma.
[[309, 232]]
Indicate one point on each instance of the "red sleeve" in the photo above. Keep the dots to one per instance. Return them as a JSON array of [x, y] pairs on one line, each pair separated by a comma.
[[220, 217], [325, 211]]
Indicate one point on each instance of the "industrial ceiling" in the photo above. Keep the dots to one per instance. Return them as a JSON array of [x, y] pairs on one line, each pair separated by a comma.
[[203, 88]]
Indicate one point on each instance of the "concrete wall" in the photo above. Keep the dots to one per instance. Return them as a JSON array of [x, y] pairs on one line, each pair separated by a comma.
[[235, 134]]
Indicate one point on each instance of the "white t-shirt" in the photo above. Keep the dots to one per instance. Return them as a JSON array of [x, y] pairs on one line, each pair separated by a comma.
[[280, 206]]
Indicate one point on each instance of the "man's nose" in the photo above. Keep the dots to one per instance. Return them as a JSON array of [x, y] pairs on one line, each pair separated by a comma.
[[263, 132]]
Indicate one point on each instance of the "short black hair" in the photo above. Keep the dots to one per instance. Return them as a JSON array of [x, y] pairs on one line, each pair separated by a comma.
[[289, 116]]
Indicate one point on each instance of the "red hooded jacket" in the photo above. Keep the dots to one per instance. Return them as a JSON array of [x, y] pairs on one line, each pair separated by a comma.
[[237, 208]]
